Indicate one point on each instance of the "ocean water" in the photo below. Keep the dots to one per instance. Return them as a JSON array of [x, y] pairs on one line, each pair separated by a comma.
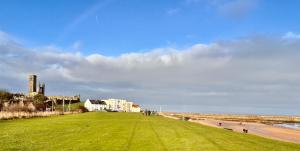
[[290, 125]]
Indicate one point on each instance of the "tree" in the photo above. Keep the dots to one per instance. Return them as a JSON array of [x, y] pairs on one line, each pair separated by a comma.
[[39, 99], [5, 95]]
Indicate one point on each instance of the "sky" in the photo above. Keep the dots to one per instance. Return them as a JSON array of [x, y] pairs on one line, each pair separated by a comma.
[[206, 56]]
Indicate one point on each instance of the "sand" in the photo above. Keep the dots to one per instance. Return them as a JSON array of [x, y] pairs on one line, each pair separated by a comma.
[[268, 131], [263, 130]]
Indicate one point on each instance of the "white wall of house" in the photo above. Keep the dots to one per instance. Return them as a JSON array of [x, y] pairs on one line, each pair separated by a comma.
[[119, 105], [94, 107], [129, 106], [136, 109], [88, 105], [115, 104], [111, 104]]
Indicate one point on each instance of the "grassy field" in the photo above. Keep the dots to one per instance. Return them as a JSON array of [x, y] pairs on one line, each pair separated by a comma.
[[73, 106], [125, 131]]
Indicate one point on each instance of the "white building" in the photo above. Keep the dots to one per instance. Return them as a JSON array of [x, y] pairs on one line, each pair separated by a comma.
[[128, 107], [135, 108], [119, 105], [95, 105], [111, 104]]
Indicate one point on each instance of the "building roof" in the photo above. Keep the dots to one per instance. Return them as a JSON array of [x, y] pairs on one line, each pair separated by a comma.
[[135, 105], [97, 102]]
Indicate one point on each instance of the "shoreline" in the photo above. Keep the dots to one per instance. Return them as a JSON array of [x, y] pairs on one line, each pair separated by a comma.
[[265, 119], [255, 128]]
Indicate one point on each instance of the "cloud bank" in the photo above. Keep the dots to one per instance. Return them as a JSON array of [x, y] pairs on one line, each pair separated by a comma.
[[258, 74]]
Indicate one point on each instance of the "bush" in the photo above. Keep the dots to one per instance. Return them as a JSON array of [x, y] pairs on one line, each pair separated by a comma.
[[186, 118], [82, 109], [5, 95], [19, 107], [40, 106], [39, 99]]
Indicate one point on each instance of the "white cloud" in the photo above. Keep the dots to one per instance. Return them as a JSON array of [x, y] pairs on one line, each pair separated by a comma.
[[254, 71], [291, 35]]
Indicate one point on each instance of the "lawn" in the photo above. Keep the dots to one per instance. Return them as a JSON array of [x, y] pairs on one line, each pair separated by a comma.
[[125, 131]]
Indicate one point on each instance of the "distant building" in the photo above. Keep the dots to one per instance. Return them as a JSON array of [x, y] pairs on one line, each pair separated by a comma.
[[41, 89], [116, 104], [64, 99], [136, 108], [119, 105], [128, 107], [95, 105], [32, 85]]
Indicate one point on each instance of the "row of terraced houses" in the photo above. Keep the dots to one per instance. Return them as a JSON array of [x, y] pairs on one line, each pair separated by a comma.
[[115, 105]]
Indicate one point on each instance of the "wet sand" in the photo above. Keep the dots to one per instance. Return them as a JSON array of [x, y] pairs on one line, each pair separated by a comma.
[[268, 131]]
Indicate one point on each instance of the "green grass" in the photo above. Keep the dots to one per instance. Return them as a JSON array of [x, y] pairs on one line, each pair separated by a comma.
[[126, 131], [73, 106]]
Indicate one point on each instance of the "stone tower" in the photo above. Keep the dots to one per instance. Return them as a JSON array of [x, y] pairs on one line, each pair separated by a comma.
[[32, 84], [42, 89]]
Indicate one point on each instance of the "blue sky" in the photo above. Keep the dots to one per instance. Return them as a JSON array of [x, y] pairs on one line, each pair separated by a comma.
[[228, 56], [113, 27]]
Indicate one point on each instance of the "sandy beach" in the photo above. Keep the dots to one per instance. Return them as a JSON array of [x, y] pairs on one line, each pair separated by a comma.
[[268, 131], [264, 130]]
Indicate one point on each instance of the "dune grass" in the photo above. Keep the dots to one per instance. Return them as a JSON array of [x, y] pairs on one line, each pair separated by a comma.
[[125, 131]]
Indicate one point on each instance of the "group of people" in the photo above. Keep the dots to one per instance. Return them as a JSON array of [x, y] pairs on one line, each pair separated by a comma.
[[244, 130], [149, 112]]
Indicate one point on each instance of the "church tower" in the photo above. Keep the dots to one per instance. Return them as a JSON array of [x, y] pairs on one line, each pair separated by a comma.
[[32, 84]]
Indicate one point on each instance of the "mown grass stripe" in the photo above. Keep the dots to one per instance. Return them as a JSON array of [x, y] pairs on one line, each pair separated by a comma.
[[201, 134], [133, 131], [158, 137]]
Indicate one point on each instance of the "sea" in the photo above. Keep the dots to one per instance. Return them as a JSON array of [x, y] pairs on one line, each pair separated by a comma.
[[289, 125]]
